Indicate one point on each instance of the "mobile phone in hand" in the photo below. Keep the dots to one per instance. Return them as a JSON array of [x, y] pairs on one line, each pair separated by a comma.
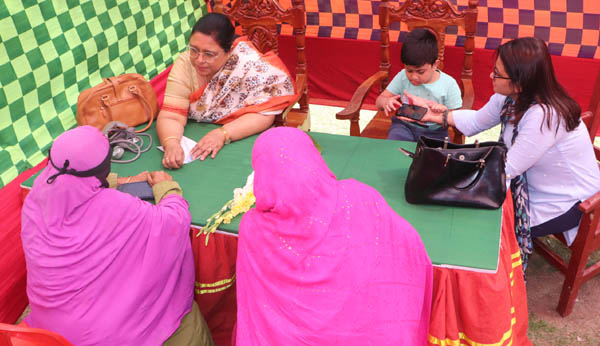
[[411, 111], [139, 189]]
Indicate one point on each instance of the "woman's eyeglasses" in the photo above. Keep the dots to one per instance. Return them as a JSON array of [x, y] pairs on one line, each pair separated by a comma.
[[207, 55], [497, 76]]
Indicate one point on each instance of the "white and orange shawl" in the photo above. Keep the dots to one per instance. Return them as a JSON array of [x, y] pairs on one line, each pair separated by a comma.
[[249, 82]]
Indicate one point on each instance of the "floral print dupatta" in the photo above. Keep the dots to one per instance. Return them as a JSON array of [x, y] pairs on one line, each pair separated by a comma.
[[249, 82]]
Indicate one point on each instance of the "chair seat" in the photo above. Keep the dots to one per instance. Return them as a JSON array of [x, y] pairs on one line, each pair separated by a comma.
[[299, 119], [378, 127]]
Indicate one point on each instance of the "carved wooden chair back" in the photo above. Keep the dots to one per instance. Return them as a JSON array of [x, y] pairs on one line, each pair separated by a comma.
[[259, 20], [435, 15], [591, 117]]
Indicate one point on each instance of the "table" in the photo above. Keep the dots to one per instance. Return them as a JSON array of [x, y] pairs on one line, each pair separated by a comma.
[[454, 237]]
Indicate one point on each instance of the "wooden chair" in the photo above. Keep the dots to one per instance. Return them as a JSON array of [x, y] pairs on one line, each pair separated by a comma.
[[436, 15], [587, 241], [259, 20]]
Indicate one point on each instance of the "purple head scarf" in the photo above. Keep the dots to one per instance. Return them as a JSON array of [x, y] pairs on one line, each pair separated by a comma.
[[103, 267], [322, 261]]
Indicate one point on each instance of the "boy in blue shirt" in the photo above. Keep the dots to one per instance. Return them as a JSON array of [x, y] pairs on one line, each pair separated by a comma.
[[420, 77]]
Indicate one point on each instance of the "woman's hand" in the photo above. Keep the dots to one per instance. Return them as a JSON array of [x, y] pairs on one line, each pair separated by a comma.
[[392, 104], [144, 176], [158, 177], [435, 110], [210, 144], [173, 157]]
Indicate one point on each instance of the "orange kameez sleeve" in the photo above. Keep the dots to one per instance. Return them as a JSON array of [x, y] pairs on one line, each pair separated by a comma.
[[181, 83]]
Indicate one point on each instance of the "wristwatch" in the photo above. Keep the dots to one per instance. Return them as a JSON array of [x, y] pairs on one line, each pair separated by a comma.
[[227, 138]]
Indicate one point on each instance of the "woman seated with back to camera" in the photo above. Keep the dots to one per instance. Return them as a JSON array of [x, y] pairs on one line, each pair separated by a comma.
[[105, 267], [222, 80], [550, 159], [323, 261]]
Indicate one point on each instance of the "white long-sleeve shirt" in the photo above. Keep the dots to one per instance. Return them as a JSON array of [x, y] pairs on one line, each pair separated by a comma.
[[561, 166]]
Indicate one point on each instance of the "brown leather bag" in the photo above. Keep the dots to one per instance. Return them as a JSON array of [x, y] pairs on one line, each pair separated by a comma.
[[128, 98]]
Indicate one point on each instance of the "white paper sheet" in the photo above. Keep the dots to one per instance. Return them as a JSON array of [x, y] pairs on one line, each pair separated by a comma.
[[187, 144]]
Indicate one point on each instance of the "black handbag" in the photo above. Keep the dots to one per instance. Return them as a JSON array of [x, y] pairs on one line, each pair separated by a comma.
[[466, 175]]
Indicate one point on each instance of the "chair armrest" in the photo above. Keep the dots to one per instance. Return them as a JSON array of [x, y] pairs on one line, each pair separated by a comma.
[[300, 86], [291, 116], [352, 110], [590, 204]]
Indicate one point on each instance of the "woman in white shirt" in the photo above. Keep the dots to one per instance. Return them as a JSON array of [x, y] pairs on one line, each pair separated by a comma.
[[550, 161]]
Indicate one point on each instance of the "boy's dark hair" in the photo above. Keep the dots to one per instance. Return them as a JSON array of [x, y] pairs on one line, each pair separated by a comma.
[[419, 48], [219, 27]]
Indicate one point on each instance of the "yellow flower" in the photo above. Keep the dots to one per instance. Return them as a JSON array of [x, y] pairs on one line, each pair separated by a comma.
[[242, 202]]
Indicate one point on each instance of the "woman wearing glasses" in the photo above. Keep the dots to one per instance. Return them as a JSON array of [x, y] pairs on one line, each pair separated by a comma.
[[550, 162], [222, 80]]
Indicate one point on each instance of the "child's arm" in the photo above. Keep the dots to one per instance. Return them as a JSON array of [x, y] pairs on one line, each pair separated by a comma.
[[388, 102]]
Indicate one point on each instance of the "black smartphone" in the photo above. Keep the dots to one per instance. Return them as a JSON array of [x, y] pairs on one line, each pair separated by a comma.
[[411, 111], [140, 189]]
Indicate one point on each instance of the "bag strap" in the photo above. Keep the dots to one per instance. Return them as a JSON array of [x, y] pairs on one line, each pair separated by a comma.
[[133, 89]]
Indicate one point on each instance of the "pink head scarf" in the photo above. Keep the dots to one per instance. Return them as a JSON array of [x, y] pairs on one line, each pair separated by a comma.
[[103, 267], [325, 262]]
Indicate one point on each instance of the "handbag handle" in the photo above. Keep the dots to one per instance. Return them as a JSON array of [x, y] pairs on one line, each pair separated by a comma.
[[135, 91], [147, 110], [407, 153]]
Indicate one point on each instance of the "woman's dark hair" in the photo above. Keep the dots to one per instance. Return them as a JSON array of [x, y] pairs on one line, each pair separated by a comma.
[[219, 27], [420, 47], [529, 67]]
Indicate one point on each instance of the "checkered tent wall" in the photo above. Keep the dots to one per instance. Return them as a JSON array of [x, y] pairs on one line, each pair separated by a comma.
[[570, 27], [52, 50]]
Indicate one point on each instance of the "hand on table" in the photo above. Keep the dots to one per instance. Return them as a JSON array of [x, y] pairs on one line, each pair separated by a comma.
[[158, 177], [143, 176], [210, 144], [173, 157]]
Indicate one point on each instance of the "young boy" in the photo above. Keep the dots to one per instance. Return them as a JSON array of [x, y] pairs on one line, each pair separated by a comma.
[[420, 77]]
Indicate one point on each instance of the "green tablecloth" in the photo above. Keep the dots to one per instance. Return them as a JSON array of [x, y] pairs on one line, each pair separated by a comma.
[[460, 237]]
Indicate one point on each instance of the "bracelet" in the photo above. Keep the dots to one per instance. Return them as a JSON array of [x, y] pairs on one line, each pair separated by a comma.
[[445, 119], [170, 137], [227, 139]]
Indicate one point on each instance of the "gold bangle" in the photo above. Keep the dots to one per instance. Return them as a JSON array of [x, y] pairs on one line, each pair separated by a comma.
[[227, 138], [128, 179], [164, 141]]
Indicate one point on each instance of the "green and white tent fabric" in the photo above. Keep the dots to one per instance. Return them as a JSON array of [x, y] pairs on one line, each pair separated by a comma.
[[50, 51]]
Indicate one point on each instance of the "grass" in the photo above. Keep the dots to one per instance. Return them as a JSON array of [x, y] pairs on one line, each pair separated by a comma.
[[542, 333], [563, 251]]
